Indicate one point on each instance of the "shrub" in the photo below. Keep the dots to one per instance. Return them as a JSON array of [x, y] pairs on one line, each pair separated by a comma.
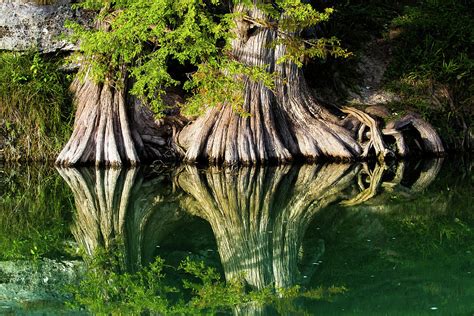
[[34, 105]]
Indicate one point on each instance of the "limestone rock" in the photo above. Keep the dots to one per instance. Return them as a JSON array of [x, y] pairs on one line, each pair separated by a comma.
[[27, 24], [36, 284]]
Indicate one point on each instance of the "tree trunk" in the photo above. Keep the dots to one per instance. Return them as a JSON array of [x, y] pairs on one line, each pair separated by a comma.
[[113, 130], [287, 122]]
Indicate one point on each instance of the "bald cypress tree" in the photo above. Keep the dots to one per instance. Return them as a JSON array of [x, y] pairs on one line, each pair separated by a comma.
[[248, 90]]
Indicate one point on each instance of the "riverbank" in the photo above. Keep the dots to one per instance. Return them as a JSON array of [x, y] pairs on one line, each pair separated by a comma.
[[402, 60]]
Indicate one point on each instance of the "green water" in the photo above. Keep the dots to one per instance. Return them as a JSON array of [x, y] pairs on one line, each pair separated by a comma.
[[313, 239]]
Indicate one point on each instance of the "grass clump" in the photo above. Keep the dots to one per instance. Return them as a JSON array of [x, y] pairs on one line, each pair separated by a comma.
[[35, 107]]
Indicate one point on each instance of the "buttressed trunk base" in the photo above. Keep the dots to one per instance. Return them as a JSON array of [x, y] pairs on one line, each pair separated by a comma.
[[287, 122], [112, 129]]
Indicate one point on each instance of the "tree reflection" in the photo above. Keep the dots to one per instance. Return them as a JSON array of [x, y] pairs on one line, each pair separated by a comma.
[[259, 215], [122, 205]]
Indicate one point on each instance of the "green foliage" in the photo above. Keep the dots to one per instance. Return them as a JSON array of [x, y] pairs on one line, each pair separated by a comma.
[[34, 210], [299, 49], [436, 39], [144, 37], [211, 85], [433, 65], [104, 290], [34, 105]]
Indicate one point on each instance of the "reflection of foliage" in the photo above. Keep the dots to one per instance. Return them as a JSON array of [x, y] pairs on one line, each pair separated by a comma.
[[438, 222], [106, 290], [34, 207], [434, 233]]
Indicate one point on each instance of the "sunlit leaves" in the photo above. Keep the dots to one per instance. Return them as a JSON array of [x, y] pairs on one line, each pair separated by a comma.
[[222, 81], [297, 15], [298, 49]]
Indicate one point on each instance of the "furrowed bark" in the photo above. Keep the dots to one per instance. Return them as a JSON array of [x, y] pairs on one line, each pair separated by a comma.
[[112, 129]]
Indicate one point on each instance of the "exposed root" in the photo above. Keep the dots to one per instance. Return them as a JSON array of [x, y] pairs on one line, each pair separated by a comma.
[[376, 141], [430, 141]]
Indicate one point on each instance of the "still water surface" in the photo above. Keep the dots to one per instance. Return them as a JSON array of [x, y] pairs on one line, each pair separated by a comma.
[[308, 239]]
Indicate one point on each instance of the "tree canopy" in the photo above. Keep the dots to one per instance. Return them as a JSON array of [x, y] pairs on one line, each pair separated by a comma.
[[146, 37]]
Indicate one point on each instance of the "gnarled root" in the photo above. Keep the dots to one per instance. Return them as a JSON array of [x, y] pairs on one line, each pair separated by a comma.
[[376, 141], [426, 138], [408, 135]]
